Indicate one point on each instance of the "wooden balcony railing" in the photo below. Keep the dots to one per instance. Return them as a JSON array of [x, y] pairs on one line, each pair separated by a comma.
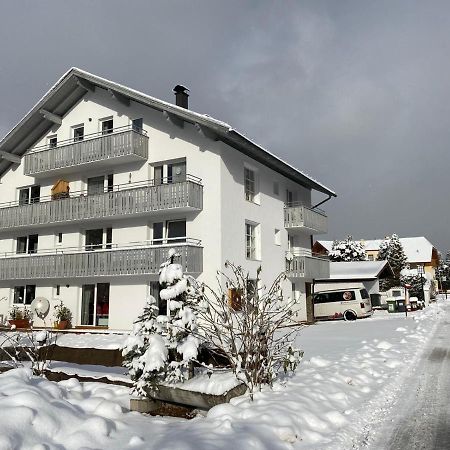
[[123, 143], [109, 260], [306, 266], [300, 217], [122, 201]]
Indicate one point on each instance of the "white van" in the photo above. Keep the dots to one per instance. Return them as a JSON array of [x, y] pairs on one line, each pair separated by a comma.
[[347, 304]]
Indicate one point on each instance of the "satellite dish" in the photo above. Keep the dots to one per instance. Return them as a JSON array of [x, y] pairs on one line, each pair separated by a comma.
[[40, 306]]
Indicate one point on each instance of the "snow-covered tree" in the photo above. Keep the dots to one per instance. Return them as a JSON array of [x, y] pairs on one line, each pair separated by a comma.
[[347, 250], [161, 347], [243, 321], [391, 250], [416, 281]]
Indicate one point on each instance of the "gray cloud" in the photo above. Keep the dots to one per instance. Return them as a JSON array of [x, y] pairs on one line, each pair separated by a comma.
[[355, 93]]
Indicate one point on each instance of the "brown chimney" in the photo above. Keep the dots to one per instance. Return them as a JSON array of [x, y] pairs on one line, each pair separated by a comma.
[[181, 96]]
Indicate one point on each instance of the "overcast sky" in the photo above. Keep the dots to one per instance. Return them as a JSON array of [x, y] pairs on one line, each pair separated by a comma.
[[355, 93]]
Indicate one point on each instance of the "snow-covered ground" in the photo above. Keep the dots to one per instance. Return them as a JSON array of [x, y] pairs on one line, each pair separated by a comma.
[[350, 371]]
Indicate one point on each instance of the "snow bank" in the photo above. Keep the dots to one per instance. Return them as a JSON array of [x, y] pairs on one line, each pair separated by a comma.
[[350, 372]]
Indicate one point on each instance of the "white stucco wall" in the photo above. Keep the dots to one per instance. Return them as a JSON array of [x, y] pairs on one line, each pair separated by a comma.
[[220, 225]]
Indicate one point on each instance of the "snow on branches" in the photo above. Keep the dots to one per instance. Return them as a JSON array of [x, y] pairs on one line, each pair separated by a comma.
[[161, 347], [347, 250], [391, 250]]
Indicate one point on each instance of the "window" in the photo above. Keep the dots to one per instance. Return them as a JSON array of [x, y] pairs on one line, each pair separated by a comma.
[[364, 293], [57, 290], [107, 126], [249, 184], [276, 188], [110, 182], [158, 231], [252, 288], [176, 231], [94, 239], [331, 297], [235, 299], [27, 244], [59, 238], [155, 288], [24, 295], [169, 232], [52, 141], [176, 173], [30, 194], [108, 233], [95, 185], [289, 197], [370, 257], [277, 236], [78, 133], [137, 125], [158, 175], [250, 241], [95, 304]]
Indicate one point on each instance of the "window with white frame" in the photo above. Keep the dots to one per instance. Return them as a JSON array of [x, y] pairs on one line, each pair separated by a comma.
[[29, 194], [250, 184], [27, 244], [251, 250], [171, 231], [78, 132], [52, 141], [277, 236]]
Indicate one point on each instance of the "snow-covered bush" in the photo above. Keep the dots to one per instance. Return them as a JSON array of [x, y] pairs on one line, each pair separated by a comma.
[[32, 347], [347, 250], [391, 250], [417, 282], [243, 321], [160, 348]]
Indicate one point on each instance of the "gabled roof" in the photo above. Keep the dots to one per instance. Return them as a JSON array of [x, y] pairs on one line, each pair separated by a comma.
[[417, 249], [360, 270], [74, 84]]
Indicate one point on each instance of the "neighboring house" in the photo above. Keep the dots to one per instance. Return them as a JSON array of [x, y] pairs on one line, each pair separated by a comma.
[[419, 251], [99, 182], [346, 274]]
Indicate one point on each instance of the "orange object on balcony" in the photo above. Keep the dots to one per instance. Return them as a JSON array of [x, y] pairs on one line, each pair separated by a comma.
[[60, 189]]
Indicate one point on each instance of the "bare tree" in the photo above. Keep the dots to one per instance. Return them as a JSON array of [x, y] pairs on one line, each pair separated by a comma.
[[248, 324]]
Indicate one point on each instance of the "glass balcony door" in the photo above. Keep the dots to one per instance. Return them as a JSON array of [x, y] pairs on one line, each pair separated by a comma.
[[95, 304]]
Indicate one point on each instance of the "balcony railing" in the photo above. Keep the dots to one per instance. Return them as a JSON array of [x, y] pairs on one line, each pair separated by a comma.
[[121, 201], [301, 218], [106, 261], [122, 144], [307, 266]]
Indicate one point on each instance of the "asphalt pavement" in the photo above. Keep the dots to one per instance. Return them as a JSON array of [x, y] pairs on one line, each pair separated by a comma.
[[422, 415]]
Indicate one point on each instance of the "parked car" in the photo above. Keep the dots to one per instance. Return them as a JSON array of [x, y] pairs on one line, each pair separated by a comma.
[[347, 304]]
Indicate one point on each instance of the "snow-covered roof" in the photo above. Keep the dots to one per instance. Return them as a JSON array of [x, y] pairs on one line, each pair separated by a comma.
[[74, 84], [417, 249], [359, 270]]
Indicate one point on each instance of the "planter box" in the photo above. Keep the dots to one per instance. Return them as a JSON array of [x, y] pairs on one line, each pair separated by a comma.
[[20, 323], [195, 399]]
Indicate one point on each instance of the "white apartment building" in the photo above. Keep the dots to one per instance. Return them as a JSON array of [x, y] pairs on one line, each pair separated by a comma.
[[99, 181]]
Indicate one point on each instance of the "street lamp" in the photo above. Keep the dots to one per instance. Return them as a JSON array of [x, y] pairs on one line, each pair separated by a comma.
[[421, 272]]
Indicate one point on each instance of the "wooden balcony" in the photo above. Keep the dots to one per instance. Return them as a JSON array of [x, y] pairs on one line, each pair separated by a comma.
[[300, 218], [307, 266], [121, 146], [131, 260], [123, 201]]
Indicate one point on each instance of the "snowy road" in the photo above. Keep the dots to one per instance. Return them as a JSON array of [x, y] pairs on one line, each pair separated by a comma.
[[423, 414]]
